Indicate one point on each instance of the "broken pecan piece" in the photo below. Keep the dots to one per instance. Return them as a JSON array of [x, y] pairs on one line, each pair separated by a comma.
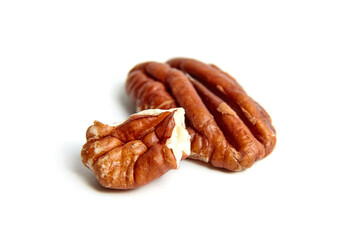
[[228, 128], [141, 149]]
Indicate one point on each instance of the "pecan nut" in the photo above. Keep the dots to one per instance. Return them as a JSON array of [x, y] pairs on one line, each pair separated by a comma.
[[133, 153], [228, 128]]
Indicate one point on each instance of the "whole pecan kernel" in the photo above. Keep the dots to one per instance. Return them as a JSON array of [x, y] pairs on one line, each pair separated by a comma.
[[227, 127], [141, 149]]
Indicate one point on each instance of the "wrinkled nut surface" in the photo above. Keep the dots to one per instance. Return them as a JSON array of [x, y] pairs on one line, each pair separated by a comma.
[[228, 128], [133, 153]]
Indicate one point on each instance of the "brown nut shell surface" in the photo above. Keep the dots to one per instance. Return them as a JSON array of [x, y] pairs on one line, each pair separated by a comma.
[[228, 128], [141, 149]]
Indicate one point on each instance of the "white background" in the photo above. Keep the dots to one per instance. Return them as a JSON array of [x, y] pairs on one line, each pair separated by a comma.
[[63, 64]]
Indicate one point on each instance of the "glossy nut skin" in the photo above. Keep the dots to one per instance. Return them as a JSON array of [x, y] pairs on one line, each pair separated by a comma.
[[228, 128], [131, 154]]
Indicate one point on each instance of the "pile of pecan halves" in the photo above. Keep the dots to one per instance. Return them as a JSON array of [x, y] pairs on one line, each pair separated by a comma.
[[222, 126]]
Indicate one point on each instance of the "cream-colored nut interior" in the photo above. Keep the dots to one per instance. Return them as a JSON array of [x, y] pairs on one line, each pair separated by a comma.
[[179, 142]]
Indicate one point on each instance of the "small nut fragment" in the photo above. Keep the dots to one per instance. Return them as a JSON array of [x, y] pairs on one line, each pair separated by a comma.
[[228, 128], [133, 153]]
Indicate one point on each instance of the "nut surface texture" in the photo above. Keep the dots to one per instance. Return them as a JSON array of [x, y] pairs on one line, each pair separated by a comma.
[[137, 151], [228, 128]]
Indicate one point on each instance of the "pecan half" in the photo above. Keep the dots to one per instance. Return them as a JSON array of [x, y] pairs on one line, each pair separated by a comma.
[[228, 128], [141, 149]]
